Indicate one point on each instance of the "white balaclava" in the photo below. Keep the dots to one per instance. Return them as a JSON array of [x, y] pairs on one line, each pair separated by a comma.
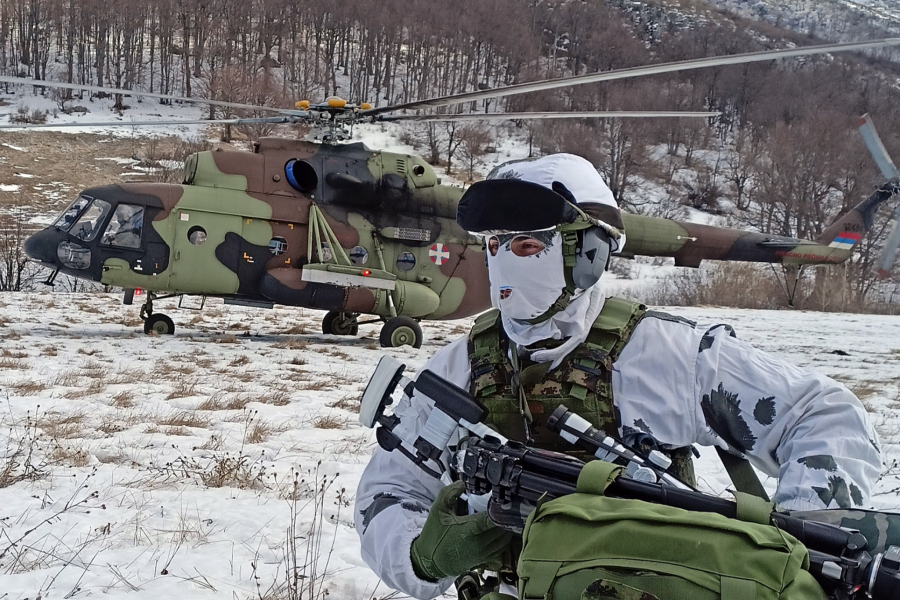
[[524, 287]]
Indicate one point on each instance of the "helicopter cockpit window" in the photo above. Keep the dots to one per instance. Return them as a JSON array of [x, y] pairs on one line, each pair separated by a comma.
[[124, 229], [88, 225], [196, 235], [278, 245], [66, 219]]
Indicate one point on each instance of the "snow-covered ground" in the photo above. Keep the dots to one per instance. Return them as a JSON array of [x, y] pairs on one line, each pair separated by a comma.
[[165, 466], [28, 100]]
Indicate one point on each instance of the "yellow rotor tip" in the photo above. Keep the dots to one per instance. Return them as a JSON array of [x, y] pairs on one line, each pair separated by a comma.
[[365, 106], [302, 104], [335, 102]]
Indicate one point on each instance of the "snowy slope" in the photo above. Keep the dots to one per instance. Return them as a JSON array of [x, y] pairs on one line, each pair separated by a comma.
[[142, 445]]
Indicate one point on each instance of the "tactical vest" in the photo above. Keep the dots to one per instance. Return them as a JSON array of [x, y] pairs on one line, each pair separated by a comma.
[[582, 381]]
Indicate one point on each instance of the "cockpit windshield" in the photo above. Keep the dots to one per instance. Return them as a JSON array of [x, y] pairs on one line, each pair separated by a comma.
[[88, 225], [67, 219]]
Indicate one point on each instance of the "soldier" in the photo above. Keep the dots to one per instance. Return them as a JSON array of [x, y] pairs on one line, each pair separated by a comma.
[[549, 227]]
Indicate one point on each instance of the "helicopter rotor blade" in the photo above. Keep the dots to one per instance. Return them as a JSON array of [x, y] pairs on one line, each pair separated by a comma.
[[889, 170], [111, 90], [288, 119], [547, 115], [698, 63]]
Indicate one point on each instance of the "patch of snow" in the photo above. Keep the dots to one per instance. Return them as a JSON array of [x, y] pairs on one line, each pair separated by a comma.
[[9, 187], [142, 421]]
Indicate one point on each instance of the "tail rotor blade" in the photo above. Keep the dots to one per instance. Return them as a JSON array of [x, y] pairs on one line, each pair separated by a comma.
[[889, 254], [889, 170], [876, 147]]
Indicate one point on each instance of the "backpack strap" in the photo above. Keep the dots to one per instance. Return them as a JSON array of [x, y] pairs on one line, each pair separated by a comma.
[[596, 476], [742, 474]]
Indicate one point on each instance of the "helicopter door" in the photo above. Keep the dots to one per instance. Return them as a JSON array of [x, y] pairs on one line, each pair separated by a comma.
[[200, 257]]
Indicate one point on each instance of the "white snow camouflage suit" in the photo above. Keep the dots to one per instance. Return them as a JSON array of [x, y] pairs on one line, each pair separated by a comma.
[[804, 428]]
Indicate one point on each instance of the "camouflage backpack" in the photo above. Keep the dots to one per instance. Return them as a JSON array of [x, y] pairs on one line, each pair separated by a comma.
[[586, 546]]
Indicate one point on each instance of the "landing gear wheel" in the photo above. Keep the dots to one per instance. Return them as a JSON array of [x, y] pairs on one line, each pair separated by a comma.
[[401, 331], [340, 323], [159, 323]]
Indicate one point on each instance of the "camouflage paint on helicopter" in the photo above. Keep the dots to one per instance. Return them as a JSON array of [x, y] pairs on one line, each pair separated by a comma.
[[239, 227], [244, 225]]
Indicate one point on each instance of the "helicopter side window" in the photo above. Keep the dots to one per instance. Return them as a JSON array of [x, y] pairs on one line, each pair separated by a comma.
[[65, 220], [124, 229], [196, 235], [87, 226], [278, 245]]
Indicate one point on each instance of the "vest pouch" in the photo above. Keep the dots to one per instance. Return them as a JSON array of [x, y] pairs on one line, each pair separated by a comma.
[[588, 546]]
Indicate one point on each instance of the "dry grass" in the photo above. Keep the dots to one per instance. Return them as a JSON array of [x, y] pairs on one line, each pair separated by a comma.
[[291, 345], [68, 378], [246, 376], [259, 431], [184, 388], [227, 338], [18, 459], [348, 403], [129, 377], [182, 431], [63, 426], [28, 387], [48, 351], [337, 354], [298, 329], [124, 399], [90, 352], [276, 398], [96, 386], [241, 360], [864, 389], [316, 386], [169, 367], [220, 401], [110, 425], [298, 361], [69, 454], [12, 363], [184, 418], [329, 422], [5, 353]]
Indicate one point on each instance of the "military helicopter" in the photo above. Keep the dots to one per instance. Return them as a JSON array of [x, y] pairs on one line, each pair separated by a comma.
[[351, 230]]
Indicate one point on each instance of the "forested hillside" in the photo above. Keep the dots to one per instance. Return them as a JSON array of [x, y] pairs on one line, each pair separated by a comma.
[[781, 158]]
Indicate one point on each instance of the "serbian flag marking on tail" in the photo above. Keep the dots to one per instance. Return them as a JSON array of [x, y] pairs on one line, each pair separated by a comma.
[[845, 240]]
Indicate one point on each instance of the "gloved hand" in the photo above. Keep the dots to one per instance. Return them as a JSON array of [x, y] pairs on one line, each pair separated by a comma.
[[451, 544]]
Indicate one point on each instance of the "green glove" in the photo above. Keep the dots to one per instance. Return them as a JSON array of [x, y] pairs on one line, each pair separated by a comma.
[[451, 544]]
